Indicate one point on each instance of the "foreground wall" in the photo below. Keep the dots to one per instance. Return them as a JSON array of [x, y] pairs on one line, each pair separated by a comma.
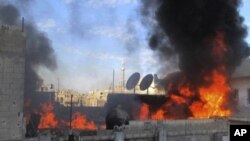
[[12, 46], [169, 130]]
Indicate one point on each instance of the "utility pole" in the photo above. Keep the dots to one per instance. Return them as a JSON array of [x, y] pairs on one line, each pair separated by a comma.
[[71, 107], [58, 85], [71, 136]]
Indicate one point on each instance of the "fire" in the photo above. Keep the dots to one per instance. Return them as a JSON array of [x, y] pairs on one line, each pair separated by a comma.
[[48, 119], [80, 122], [212, 98], [144, 112], [203, 100], [159, 115], [178, 99]]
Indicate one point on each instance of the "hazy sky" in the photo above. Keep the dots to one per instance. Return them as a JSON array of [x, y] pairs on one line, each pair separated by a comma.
[[93, 37]]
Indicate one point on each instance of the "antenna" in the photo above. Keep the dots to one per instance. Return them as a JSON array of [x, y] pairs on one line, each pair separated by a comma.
[[132, 81], [58, 84], [146, 82], [113, 84], [123, 75], [22, 24]]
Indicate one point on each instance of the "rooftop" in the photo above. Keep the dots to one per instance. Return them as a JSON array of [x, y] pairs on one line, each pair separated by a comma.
[[243, 70]]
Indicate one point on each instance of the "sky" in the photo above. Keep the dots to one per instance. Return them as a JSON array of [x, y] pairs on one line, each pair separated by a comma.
[[91, 38]]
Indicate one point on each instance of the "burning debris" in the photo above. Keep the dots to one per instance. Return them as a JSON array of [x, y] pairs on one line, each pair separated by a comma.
[[48, 119], [80, 122], [206, 35], [208, 38]]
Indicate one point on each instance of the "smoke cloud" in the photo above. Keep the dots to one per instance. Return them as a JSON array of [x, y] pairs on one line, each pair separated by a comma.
[[206, 37], [187, 28], [39, 51]]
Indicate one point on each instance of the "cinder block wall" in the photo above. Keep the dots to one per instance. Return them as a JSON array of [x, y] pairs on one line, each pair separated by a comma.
[[12, 61]]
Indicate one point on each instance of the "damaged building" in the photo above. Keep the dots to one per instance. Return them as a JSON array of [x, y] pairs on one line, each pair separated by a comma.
[[13, 124], [12, 81], [12, 61], [209, 92]]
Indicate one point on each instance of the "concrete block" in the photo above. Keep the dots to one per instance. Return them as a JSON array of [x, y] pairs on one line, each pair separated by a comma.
[[11, 84]]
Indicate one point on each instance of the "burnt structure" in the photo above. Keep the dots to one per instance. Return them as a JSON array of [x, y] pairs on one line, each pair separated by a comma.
[[117, 117]]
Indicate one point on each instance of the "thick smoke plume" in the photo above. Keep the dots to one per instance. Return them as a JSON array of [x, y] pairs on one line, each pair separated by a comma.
[[39, 51], [207, 36], [188, 28]]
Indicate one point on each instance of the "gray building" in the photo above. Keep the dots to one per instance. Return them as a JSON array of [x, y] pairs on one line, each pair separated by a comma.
[[241, 86], [12, 61]]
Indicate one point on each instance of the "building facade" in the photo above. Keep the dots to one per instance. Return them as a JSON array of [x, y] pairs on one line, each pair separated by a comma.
[[92, 99], [12, 61], [241, 88]]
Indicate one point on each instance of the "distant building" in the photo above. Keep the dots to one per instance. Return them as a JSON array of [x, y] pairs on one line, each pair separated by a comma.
[[241, 88], [12, 61], [46, 88], [64, 97], [95, 98]]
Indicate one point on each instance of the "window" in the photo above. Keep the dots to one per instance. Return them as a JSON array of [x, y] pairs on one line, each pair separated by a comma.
[[248, 96], [235, 96]]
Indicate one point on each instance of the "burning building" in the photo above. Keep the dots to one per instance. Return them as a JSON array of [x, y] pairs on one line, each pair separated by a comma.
[[207, 36], [208, 39]]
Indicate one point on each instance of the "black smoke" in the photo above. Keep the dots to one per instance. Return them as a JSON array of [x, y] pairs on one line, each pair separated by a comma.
[[188, 28], [193, 30], [38, 51], [9, 15]]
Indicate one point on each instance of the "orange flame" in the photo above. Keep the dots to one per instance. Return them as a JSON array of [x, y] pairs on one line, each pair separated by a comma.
[[48, 119], [213, 98], [178, 99], [159, 115], [80, 122], [144, 112], [204, 101]]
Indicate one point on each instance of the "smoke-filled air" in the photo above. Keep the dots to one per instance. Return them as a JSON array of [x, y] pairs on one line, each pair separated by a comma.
[[208, 38]]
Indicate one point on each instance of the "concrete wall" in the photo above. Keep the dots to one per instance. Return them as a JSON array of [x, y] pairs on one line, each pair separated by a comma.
[[12, 45], [169, 130]]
